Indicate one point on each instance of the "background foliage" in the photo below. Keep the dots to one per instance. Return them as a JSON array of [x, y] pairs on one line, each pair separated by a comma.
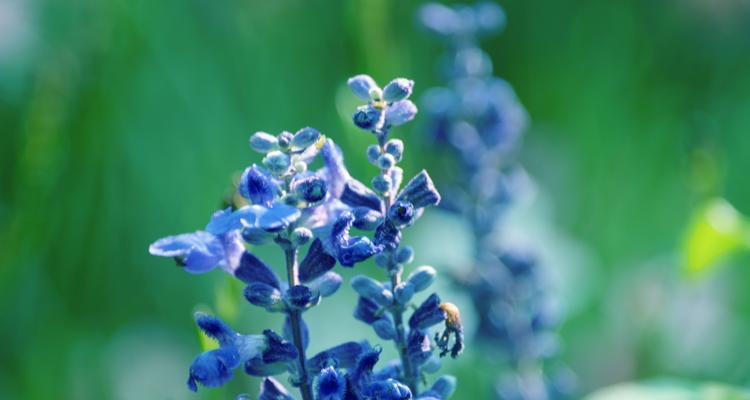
[[122, 121]]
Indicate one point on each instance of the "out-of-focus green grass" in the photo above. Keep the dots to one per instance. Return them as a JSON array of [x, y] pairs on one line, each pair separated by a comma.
[[123, 121]]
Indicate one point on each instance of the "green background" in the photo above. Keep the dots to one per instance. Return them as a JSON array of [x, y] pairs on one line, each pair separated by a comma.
[[124, 121]]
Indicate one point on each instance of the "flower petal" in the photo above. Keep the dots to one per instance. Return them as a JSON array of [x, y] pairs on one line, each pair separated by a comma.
[[331, 385], [213, 368], [253, 269], [400, 113], [278, 217], [428, 314], [215, 328], [356, 194], [316, 262], [257, 186]]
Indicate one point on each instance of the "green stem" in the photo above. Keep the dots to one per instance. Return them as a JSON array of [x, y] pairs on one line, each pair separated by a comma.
[[295, 319], [398, 319]]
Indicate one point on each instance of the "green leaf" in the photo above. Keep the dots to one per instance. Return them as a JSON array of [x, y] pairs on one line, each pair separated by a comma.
[[717, 230]]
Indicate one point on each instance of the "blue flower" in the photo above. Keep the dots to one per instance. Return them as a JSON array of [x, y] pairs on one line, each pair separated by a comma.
[[214, 367], [310, 189], [331, 385], [258, 186], [347, 249], [428, 314], [202, 251]]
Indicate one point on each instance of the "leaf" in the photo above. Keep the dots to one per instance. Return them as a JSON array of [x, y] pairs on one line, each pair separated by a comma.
[[717, 230]]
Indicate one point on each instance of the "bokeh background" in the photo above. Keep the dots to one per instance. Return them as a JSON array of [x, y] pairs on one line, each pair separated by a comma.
[[125, 121]]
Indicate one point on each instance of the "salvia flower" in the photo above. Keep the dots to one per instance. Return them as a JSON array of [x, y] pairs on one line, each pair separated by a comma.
[[312, 213]]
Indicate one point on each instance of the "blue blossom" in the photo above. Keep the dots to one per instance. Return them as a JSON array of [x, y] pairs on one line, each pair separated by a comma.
[[293, 207], [201, 251], [347, 249], [428, 314], [331, 385], [257, 186], [215, 367]]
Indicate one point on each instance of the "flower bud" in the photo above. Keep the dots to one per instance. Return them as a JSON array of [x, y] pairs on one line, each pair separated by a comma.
[[367, 117], [386, 161], [398, 89], [402, 213], [372, 289], [444, 386], [382, 260], [422, 277], [276, 162], [395, 147], [400, 113], [263, 142], [404, 292], [285, 139], [382, 183], [305, 137], [312, 189], [373, 153], [327, 284], [361, 85], [405, 255], [384, 328]]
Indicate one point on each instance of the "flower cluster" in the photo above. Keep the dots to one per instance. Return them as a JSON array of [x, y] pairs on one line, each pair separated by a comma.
[[480, 119], [313, 211], [383, 304]]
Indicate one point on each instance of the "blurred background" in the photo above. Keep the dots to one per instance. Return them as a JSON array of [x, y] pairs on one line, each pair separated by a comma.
[[125, 121]]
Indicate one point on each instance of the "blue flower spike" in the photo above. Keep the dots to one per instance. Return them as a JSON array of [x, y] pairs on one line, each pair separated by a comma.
[[311, 212], [477, 120], [389, 209]]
